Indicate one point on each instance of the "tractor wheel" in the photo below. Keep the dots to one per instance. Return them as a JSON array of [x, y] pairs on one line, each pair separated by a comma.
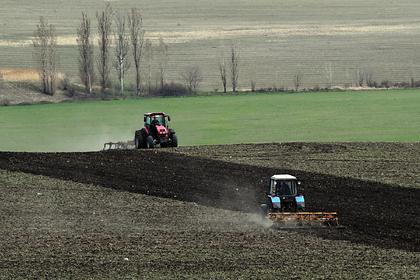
[[138, 140], [143, 143], [149, 142], [264, 210], [174, 141]]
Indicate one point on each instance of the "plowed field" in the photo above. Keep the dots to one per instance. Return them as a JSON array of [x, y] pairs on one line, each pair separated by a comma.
[[198, 216]]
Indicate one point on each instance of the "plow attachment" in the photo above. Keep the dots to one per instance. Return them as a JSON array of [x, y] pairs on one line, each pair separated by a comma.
[[118, 146], [304, 219]]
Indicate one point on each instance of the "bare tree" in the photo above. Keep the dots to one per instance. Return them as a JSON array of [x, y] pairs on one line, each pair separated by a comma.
[[122, 46], [297, 80], [162, 61], [329, 72], [359, 77], [253, 85], [234, 70], [192, 78], [86, 69], [223, 76], [104, 31], [148, 55], [137, 31], [45, 43], [369, 78]]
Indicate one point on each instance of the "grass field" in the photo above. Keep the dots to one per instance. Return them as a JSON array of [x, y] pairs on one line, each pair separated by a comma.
[[339, 116], [276, 39]]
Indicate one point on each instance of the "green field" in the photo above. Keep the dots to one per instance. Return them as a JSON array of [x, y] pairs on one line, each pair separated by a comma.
[[252, 118], [276, 39]]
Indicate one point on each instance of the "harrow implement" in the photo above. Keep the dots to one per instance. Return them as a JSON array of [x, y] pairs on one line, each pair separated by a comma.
[[118, 146], [326, 219]]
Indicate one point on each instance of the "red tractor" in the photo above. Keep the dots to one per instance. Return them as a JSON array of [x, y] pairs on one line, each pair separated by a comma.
[[155, 132]]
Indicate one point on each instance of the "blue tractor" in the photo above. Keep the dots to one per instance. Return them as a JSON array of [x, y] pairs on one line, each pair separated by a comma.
[[285, 204]]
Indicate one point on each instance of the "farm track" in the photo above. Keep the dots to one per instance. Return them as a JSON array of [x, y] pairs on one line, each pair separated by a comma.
[[374, 213]]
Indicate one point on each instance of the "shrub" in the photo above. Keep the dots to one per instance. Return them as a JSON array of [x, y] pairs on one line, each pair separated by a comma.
[[64, 83], [385, 84], [5, 102], [316, 88], [172, 89], [415, 84], [401, 85]]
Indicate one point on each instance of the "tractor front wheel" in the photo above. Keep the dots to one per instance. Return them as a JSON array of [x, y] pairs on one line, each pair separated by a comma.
[[150, 142], [174, 140], [138, 140], [264, 210]]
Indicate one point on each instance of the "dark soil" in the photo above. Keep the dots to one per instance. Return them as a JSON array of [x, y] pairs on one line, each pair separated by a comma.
[[390, 163], [56, 229], [373, 213]]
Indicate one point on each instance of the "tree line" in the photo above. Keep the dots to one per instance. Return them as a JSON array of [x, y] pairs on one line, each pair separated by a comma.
[[120, 45]]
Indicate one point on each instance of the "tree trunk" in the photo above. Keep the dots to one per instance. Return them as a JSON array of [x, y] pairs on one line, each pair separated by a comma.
[[122, 79]]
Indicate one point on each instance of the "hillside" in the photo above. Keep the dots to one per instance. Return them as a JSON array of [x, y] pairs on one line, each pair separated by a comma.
[[326, 41], [158, 214]]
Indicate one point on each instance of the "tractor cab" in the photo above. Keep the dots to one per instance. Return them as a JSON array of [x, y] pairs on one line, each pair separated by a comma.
[[156, 119], [283, 187], [283, 193], [157, 125]]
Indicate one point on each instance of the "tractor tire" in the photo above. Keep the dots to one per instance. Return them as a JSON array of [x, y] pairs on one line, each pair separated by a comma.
[[138, 139], [264, 210], [174, 141], [143, 143], [150, 142]]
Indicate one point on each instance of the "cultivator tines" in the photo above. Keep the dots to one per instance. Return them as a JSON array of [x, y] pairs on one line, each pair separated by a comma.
[[118, 146], [305, 218]]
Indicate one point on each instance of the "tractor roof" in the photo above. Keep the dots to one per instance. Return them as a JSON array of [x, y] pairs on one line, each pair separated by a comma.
[[155, 113], [283, 177]]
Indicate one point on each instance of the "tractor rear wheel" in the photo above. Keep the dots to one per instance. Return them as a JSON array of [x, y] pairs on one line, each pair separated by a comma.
[[174, 141], [150, 142]]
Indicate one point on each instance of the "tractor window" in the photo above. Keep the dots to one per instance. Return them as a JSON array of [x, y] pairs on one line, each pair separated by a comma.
[[147, 121], [160, 119], [286, 188]]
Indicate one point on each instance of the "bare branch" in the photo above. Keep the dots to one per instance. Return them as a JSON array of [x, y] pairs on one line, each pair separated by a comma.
[[162, 60], [222, 71], [86, 69], [192, 78], [253, 85], [104, 31], [137, 32], [297, 80], [359, 77], [45, 53], [148, 55], [234, 63], [122, 46], [329, 72]]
